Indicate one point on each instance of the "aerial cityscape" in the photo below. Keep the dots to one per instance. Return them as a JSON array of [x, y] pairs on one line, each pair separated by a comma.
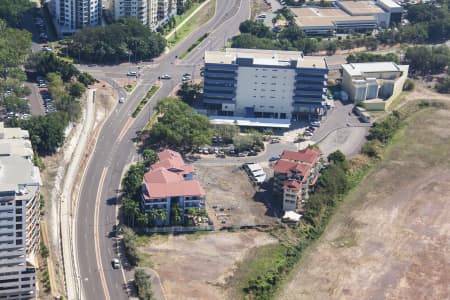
[[224, 149]]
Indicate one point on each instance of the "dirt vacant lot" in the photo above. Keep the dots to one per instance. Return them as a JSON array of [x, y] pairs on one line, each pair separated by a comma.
[[391, 238], [231, 198], [196, 266]]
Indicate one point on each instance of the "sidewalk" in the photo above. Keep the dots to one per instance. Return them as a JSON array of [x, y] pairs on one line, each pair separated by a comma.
[[185, 20], [67, 214]]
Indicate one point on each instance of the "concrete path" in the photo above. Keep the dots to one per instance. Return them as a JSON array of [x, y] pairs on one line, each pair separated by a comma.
[[187, 19], [67, 204]]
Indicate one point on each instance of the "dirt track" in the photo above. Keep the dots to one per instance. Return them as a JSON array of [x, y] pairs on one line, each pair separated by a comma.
[[391, 238]]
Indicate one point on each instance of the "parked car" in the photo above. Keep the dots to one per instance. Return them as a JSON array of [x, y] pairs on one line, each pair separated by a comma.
[[315, 123], [252, 153], [132, 73], [184, 78], [121, 99], [186, 75], [274, 158], [115, 263], [274, 141], [241, 154], [308, 133], [165, 76], [311, 128]]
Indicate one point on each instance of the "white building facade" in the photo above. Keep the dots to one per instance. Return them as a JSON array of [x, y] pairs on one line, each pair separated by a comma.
[[19, 216], [72, 15], [264, 84], [132, 8]]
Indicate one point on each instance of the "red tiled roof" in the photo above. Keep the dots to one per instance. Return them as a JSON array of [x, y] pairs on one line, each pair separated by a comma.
[[308, 155], [288, 167], [292, 185], [162, 175], [174, 189], [165, 178]]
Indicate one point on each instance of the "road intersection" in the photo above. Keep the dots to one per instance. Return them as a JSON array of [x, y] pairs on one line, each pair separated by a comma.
[[97, 207]]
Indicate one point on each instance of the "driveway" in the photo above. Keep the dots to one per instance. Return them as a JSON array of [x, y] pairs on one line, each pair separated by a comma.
[[35, 99]]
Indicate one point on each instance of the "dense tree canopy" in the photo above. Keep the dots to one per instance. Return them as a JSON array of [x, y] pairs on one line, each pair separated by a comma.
[[363, 57], [123, 40], [47, 62], [427, 60], [180, 126], [14, 46], [13, 10]]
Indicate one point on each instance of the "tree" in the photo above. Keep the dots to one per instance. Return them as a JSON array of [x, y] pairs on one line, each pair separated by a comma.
[[14, 46], [131, 183], [226, 132], [143, 285], [130, 245], [76, 89], [16, 104], [150, 157], [189, 92], [336, 157], [255, 28], [46, 62], [180, 126], [55, 85], [12, 11], [86, 79], [115, 42]]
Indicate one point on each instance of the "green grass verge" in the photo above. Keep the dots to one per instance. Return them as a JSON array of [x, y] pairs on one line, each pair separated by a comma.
[[192, 47], [194, 23], [144, 101]]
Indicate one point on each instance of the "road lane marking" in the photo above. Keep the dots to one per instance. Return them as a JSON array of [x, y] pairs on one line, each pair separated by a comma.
[[96, 235], [125, 129]]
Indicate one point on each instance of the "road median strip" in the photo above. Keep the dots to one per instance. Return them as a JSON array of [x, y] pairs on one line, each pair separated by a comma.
[[195, 44], [145, 100]]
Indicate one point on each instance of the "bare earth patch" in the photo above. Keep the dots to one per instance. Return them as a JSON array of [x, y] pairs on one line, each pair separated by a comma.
[[391, 238], [197, 267], [232, 200]]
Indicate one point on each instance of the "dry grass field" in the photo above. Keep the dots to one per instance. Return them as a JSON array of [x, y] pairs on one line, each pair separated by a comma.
[[391, 238]]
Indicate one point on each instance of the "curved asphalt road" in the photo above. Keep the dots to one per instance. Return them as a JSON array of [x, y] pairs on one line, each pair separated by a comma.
[[115, 149]]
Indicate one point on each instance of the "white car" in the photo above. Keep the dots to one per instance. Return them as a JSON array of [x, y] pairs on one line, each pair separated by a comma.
[[115, 263], [315, 123], [165, 76], [121, 99], [132, 73], [308, 133]]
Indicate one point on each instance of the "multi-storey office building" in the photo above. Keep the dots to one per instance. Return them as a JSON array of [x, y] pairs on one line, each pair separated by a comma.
[[19, 215], [265, 84], [71, 15]]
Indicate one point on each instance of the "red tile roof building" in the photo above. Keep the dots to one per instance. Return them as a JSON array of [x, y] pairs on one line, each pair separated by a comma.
[[169, 182], [295, 173]]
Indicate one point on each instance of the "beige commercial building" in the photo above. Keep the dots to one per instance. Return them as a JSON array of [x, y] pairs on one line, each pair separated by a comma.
[[347, 17], [375, 83]]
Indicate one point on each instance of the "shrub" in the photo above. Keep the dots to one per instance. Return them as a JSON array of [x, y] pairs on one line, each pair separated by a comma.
[[409, 85]]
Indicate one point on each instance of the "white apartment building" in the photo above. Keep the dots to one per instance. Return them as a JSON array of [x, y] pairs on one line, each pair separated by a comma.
[[153, 13], [132, 8], [19, 215], [71, 15]]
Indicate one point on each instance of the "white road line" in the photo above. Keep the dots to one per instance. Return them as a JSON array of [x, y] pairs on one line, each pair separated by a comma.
[[96, 235]]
